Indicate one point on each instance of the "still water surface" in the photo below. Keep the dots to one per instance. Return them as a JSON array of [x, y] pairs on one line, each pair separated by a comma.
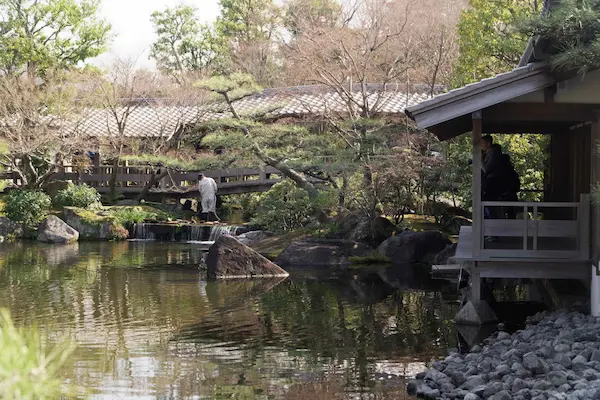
[[147, 326]]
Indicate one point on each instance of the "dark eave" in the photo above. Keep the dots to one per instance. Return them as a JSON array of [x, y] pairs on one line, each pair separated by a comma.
[[478, 96]]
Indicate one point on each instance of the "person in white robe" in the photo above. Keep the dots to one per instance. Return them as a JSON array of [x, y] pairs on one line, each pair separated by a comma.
[[208, 195]]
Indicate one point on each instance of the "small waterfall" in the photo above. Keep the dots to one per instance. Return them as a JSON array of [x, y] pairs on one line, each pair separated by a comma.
[[219, 230], [190, 233], [196, 233], [141, 232]]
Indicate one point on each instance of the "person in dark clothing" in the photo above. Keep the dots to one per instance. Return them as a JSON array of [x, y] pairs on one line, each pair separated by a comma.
[[492, 168], [511, 185], [491, 182]]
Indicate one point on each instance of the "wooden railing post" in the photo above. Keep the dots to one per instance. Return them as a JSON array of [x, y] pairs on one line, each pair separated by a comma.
[[526, 227], [262, 174], [583, 217], [478, 212]]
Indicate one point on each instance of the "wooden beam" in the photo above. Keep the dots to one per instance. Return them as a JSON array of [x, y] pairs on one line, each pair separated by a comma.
[[540, 112], [476, 188], [514, 127]]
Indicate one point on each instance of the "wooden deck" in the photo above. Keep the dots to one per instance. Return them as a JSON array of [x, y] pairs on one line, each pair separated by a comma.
[[511, 265]]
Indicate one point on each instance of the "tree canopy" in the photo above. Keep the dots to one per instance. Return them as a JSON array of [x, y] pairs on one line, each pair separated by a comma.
[[182, 44], [573, 29], [37, 35], [489, 39]]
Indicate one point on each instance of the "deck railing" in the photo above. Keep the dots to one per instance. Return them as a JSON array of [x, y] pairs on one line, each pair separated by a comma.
[[533, 234], [132, 179]]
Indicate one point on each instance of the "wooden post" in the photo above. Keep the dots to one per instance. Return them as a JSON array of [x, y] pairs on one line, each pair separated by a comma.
[[476, 189], [584, 218], [262, 174], [594, 180], [475, 282]]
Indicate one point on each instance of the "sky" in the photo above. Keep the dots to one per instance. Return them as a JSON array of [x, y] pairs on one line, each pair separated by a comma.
[[132, 29]]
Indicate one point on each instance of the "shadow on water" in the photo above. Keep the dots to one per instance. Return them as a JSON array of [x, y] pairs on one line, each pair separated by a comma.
[[148, 326]]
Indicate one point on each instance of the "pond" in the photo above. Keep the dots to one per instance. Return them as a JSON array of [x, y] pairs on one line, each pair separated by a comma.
[[148, 326]]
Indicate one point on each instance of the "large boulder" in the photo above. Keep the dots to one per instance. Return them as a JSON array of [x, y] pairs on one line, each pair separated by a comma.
[[322, 252], [249, 238], [53, 187], [228, 258], [373, 232], [443, 257], [412, 246], [94, 227], [9, 229], [55, 230]]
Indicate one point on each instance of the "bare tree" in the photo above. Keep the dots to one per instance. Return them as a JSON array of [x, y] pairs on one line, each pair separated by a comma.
[[385, 48], [39, 125], [141, 116]]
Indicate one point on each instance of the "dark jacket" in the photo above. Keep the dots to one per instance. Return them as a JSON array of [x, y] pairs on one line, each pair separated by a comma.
[[492, 162]]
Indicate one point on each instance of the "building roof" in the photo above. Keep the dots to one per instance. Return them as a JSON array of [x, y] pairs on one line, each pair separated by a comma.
[[477, 96], [158, 118]]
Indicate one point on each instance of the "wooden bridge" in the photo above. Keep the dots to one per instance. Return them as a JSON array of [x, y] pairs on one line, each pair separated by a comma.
[[131, 180]]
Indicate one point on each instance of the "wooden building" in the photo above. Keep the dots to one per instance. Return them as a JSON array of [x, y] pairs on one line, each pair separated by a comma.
[[559, 237]]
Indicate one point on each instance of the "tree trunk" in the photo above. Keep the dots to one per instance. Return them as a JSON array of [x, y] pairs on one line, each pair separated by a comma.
[[153, 180], [342, 194], [288, 172]]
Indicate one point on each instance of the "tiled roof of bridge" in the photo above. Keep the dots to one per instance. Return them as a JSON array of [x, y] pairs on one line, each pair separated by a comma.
[[158, 118]]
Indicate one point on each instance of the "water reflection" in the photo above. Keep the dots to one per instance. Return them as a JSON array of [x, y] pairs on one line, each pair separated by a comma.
[[162, 332]]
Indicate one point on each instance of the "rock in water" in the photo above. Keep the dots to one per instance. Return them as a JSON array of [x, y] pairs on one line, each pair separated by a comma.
[[476, 313], [249, 238], [228, 258], [443, 257], [322, 252], [10, 229], [94, 227], [55, 230], [413, 246]]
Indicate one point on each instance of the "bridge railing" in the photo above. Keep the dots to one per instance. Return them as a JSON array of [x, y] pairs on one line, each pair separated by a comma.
[[132, 179]]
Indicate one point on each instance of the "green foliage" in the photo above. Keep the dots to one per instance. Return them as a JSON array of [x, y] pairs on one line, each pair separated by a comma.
[[27, 206], [247, 20], [236, 86], [81, 196], [45, 34], [206, 162], [303, 15], [286, 207], [489, 40], [572, 27], [182, 43], [28, 371], [137, 214], [245, 204]]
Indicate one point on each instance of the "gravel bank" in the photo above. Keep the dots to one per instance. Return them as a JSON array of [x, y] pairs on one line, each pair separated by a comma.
[[557, 356]]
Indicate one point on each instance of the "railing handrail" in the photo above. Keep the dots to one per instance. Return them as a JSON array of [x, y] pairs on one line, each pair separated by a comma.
[[551, 204], [582, 220]]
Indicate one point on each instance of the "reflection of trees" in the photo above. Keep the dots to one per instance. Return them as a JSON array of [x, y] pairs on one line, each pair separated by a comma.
[[160, 328]]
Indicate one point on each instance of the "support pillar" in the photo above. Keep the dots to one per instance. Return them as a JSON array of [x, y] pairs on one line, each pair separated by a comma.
[[476, 188], [477, 211]]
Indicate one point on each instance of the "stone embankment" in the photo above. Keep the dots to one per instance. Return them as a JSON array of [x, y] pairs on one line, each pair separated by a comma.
[[557, 356]]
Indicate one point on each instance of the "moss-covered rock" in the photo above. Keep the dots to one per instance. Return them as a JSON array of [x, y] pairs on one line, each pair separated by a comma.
[[92, 226]]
